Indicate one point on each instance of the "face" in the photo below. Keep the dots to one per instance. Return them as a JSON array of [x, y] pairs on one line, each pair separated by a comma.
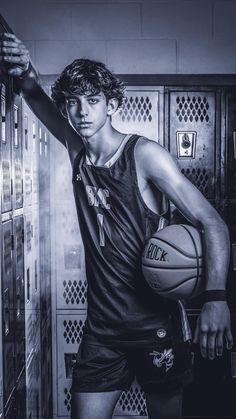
[[88, 113]]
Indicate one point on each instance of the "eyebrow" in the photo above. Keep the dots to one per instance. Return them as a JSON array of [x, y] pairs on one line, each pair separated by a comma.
[[93, 94]]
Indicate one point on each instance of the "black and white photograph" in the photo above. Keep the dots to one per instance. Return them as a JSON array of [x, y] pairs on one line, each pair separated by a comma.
[[118, 209]]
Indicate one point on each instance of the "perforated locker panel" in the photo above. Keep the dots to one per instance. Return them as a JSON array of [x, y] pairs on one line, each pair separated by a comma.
[[69, 329], [7, 310], [142, 112], [19, 294], [192, 137], [69, 253], [5, 126], [17, 157], [28, 134]]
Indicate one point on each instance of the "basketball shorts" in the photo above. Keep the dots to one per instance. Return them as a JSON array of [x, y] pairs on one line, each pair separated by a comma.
[[101, 368]]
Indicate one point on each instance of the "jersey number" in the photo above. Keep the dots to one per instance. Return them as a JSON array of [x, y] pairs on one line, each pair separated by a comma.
[[100, 220]]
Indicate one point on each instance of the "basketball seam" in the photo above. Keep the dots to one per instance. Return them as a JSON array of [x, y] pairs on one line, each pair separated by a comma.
[[174, 246], [176, 286], [197, 260], [169, 267]]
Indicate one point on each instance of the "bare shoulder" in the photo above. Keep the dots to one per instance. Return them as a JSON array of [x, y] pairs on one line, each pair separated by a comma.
[[151, 156]]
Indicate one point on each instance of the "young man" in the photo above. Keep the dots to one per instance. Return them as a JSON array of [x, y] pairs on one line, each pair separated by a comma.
[[120, 184]]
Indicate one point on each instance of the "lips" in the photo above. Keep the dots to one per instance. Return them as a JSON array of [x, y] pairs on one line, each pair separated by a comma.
[[84, 124]]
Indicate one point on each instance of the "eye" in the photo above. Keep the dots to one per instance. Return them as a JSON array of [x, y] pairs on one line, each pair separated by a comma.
[[70, 101], [92, 101]]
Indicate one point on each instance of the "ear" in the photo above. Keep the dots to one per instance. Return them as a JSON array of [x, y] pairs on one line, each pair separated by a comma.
[[112, 106]]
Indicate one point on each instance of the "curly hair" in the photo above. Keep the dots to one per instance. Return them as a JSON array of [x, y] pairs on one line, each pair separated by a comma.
[[83, 76]]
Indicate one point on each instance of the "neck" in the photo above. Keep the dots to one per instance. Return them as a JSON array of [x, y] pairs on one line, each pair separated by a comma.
[[103, 144]]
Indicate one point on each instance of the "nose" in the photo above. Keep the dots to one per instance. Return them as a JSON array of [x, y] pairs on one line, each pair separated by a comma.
[[82, 110]]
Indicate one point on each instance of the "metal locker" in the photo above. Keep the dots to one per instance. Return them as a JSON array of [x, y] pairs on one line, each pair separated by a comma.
[[17, 162], [19, 294], [68, 336], [35, 160], [192, 137], [70, 273], [6, 148], [32, 388], [8, 310], [28, 134], [142, 112]]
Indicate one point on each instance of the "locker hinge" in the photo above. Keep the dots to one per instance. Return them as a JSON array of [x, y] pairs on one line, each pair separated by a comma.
[[23, 235], [12, 242]]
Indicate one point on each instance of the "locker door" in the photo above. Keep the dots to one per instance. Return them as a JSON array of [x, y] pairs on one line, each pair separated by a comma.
[[193, 137], [7, 310], [19, 292], [17, 153], [6, 149], [142, 112]]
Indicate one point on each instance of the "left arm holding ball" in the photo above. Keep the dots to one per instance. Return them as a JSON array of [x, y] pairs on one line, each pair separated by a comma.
[[155, 165]]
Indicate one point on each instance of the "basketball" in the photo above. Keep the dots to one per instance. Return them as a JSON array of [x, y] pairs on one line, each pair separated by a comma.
[[172, 262]]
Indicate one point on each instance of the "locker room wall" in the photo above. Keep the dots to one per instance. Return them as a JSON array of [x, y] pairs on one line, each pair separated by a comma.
[[131, 36]]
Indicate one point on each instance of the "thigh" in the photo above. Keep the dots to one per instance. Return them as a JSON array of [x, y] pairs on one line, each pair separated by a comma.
[[100, 369], [94, 405], [165, 405]]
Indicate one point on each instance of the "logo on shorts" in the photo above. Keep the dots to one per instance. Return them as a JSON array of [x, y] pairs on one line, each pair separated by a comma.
[[163, 358]]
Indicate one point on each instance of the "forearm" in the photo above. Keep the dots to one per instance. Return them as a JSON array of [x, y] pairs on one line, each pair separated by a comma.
[[216, 253]]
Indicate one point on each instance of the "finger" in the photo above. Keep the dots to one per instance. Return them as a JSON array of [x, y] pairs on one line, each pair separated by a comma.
[[219, 344], [13, 50], [10, 36], [203, 344], [16, 60], [17, 71], [211, 345], [10, 44], [229, 339]]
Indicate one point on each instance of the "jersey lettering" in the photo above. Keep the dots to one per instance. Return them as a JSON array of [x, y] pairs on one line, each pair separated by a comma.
[[100, 219], [97, 196]]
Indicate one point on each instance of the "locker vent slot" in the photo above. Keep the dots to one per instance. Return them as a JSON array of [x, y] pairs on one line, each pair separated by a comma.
[[137, 109], [132, 402], [6, 181], [75, 292], [18, 180], [28, 236], [199, 177], [19, 247], [67, 400], [28, 184], [7, 251], [192, 109], [73, 331]]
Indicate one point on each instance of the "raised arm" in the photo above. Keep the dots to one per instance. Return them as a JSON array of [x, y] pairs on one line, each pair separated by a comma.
[[15, 57], [158, 167]]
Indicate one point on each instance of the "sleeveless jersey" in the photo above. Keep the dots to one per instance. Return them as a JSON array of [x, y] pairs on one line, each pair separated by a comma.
[[115, 223]]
